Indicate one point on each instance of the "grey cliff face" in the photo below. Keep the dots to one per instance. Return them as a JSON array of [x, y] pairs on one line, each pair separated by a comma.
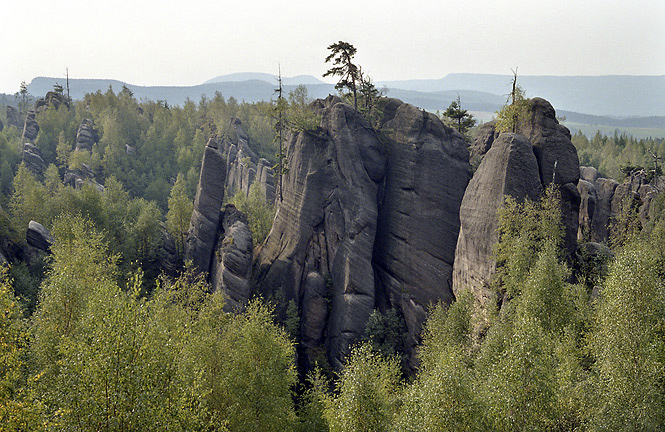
[[30, 127], [418, 223], [366, 224], [320, 247], [510, 168], [207, 207], [520, 165], [232, 263], [86, 135]]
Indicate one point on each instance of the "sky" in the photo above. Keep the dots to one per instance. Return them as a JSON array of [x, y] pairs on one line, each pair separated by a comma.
[[184, 43]]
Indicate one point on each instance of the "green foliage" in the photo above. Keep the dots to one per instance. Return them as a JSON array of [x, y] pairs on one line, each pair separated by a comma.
[[259, 213], [628, 340], [367, 393], [459, 118], [385, 332], [16, 412], [626, 225], [518, 112], [618, 155], [525, 229], [342, 53], [179, 215]]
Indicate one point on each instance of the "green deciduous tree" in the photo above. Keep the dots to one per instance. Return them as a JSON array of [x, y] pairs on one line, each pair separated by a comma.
[[367, 393], [179, 214], [516, 111]]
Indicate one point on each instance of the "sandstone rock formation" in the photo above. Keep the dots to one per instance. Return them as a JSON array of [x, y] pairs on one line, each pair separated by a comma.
[[520, 166], [365, 224], [86, 135], [324, 229], [32, 158], [14, 118], [244, 167], [510, 168], [603, 199], [30, 127], [203, 226], [418, 225], [38, 236], [232, 263]]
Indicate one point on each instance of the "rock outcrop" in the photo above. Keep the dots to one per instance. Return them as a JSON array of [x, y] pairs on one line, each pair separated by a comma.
[[203, 226], [603, 199], [520, 165], [418, 225], [86, 135], [30, 127], [32, 158], [509, 168], [320, 246], [232, 263], [244, 167], [38, 236], [14, 118], [365, 224]]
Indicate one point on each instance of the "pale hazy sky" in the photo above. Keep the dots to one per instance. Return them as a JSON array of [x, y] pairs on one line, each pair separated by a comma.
[[188, 42]]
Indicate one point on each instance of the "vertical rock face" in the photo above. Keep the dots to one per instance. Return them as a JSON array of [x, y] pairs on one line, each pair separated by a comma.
[[244, 167], [203, 226], [519, 165], [32, 158], [603, 199], [510, 168], [232, 263], [30, 127], [418, 223], [86, 136], [359, 230], [14, 118], [320, 248]]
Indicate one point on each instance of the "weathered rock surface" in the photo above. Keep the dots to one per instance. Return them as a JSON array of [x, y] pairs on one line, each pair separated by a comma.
[[32, 158], [14, 118], [244, 167], [232, 263], [610, 198], [52, 98], [324, 230], [38, 236], [418, 223], [207, 207], [76, 178], [485, 136], [30, 127], [510, 168], [86, 135]]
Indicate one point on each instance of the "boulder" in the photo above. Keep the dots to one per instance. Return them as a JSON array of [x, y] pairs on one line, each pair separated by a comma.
[[510, 167], [589, 174], [325, 228], [232, 266], [38, 236], [207, 208], [418, 222]]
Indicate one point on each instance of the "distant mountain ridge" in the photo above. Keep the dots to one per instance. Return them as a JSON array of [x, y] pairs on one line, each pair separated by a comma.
[[609, 100]]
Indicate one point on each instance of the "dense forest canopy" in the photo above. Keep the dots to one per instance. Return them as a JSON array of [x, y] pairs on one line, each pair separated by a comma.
[[92, 337]]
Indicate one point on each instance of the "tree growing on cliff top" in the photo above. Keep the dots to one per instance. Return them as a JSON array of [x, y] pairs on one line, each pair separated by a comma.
[[342, 53], [460, 118], [516, 110]]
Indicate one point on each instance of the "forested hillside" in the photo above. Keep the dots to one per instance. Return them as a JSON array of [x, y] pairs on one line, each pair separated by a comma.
[[331, 302]]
